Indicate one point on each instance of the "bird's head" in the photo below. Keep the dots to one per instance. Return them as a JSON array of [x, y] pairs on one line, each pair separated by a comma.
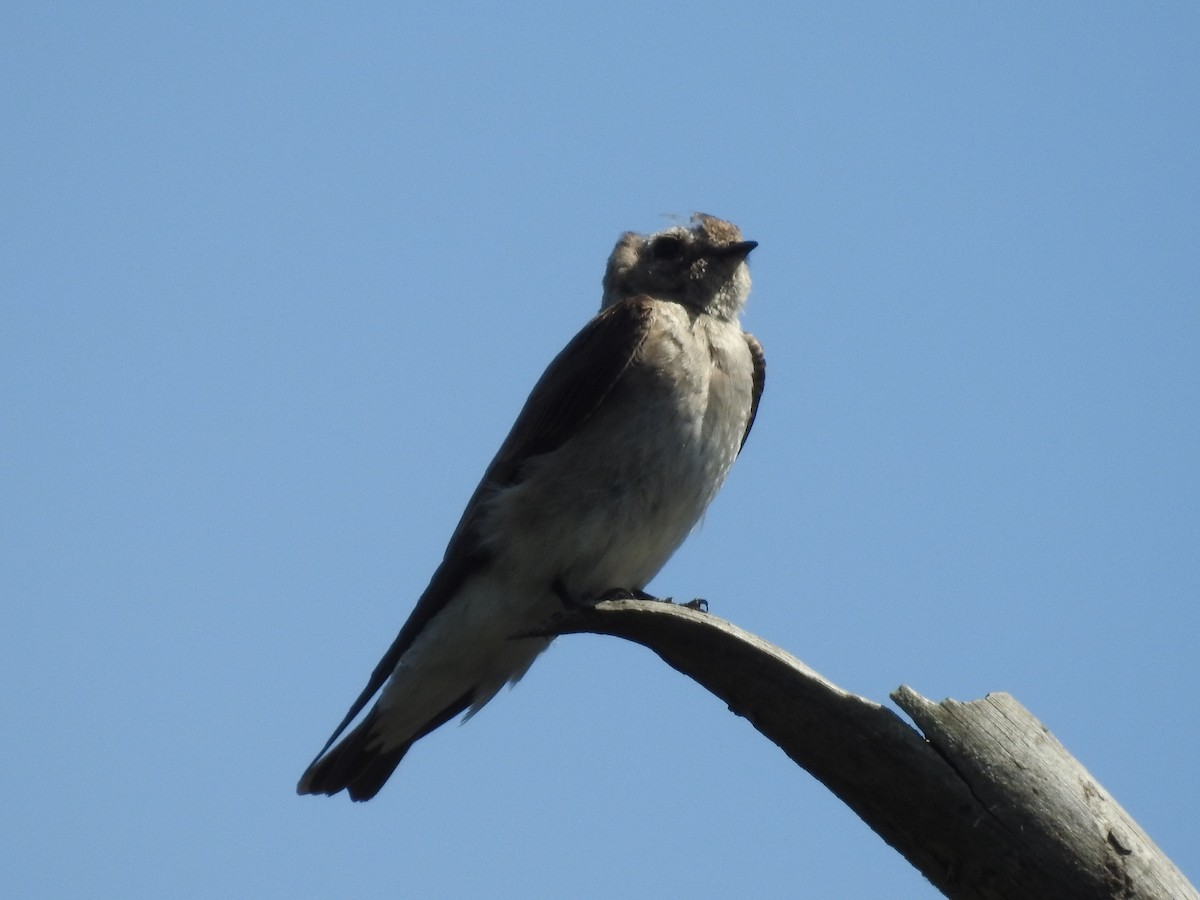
[[702, 267]]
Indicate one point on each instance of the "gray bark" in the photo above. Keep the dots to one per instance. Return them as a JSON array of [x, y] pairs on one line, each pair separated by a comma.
[[985, 802]]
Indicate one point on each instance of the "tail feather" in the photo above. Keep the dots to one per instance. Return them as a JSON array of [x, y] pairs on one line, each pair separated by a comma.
[[361, 764]]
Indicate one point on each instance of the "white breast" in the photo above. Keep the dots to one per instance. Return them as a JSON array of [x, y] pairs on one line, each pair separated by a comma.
[[608, 508]]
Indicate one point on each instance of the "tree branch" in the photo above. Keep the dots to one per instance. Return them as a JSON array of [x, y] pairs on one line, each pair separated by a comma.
[[987, 804]]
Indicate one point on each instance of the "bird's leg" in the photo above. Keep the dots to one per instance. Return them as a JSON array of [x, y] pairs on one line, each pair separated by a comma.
[[571, 602], [699, 604], [630, 594], [560, 590], [564, 596]]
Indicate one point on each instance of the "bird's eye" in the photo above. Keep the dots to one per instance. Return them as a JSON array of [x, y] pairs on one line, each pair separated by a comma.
[[666, 248]]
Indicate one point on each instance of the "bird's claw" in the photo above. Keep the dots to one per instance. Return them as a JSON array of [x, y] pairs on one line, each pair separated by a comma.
[[630, 594], [699, 604]]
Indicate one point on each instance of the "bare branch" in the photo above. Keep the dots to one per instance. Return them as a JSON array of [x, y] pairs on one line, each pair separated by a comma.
[[986, 805]]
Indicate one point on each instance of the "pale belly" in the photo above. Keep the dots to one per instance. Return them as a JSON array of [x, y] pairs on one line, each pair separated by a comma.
[[607, 509]]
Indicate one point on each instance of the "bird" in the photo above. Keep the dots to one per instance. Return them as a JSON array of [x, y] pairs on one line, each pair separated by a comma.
[[619, 449]]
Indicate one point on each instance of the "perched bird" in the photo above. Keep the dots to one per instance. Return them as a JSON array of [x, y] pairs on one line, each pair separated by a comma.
[[622, 444]]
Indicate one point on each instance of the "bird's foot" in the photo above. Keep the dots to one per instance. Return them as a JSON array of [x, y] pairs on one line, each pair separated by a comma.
[[699, 604], [630, 594], [572, 603]]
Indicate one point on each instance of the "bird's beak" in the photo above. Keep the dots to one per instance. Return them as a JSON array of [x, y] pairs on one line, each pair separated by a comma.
[[741, 249]]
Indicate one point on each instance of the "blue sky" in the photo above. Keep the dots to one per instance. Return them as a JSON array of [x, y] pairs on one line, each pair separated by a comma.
[[277, 277]]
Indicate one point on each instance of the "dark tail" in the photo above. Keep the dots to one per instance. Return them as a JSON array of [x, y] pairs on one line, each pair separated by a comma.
[[360, 764], [353, 765]]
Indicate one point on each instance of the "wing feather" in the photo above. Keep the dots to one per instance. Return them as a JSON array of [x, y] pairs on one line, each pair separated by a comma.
[[757, 384], [572, 388]]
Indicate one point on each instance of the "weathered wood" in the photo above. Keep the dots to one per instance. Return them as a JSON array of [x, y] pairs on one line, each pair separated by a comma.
[[1059, 814], [987, 805]]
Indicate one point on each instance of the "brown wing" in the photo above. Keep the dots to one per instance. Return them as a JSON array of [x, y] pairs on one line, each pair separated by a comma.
[[570, 390], [759, 381]]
